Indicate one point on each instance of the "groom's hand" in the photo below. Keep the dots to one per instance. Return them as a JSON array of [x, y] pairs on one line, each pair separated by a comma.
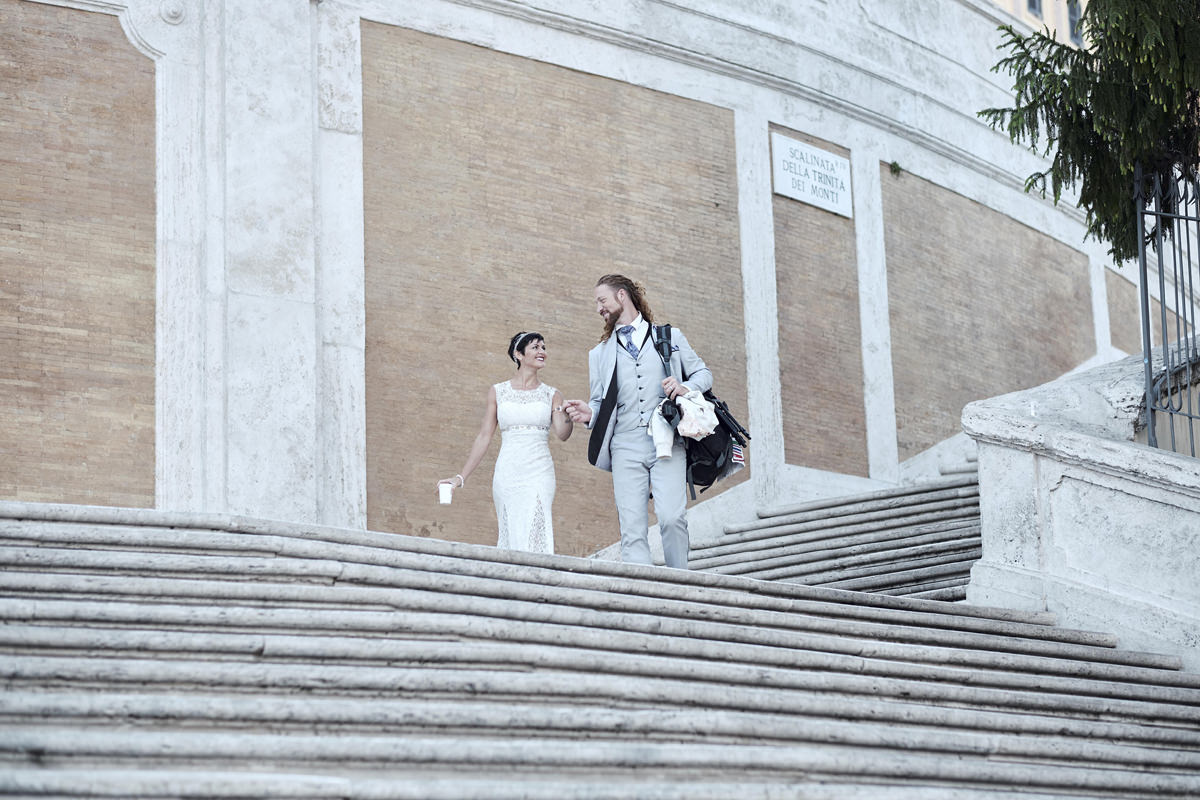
[[578, 411]]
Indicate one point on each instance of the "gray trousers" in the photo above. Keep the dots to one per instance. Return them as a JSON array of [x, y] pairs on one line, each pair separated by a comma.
[[636, 470]]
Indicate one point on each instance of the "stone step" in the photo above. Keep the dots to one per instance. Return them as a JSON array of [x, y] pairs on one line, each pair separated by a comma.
[[954, 591], [917, 580], [820, 762], [351, 556], [898, 541], [846, 573], [262, 659], [879, 548], [43, 573], [817, 540], [917, 508], [504, 717], [101, 654], [904, 566], [634, 633], [146, 782], [833, 543], [966, 485], [1156, 723], [23, 524], [930, 585]]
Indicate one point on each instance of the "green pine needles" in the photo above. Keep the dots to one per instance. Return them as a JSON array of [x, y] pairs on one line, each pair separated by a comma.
[[1132, 96]]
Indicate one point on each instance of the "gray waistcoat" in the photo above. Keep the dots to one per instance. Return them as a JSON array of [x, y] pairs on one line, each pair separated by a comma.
[[639, 388]]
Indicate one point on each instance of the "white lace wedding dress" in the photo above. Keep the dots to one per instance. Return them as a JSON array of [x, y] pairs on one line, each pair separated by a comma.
[[523, 483]]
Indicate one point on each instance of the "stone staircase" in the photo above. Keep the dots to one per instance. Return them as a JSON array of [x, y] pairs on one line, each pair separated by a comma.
[[152, 655], [917, 540]]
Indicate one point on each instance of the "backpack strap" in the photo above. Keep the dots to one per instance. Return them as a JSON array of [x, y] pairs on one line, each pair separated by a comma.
[[662, 345]]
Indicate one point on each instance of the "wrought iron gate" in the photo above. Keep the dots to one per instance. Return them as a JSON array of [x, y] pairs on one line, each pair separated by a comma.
[[1169, 228]]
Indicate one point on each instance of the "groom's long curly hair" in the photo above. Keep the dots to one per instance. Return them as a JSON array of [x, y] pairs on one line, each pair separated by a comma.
[[637, 295]]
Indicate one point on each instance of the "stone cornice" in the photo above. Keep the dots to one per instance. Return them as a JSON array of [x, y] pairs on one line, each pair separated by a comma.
[[157, 28], [1088, 420], [379, 10]]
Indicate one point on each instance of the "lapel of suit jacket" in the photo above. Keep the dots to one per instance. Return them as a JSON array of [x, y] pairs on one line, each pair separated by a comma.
[[608, 360], [602, 428]]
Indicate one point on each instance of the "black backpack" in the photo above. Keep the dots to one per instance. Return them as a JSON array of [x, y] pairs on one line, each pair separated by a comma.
[[720, 453]]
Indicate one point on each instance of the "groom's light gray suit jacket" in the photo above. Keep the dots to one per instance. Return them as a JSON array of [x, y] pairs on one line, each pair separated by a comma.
[[602, 360]]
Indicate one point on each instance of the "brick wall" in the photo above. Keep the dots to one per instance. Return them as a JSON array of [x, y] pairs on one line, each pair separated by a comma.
[[980, 305], [77, 228], [497, 189], [1125, 316], [820, 345]]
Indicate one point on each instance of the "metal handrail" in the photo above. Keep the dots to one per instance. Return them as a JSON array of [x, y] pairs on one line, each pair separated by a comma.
[[1169, 228]]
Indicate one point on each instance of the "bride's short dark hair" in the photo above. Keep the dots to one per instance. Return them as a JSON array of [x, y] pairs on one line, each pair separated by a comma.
[[522, 340]]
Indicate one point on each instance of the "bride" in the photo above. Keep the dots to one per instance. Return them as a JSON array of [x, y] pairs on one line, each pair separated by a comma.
[[525, 410]]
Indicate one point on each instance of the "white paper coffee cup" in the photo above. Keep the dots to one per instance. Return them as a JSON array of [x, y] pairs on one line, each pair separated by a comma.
[[444, 492]]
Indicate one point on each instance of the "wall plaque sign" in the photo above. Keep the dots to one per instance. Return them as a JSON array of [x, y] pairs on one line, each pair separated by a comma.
[[811, 175]]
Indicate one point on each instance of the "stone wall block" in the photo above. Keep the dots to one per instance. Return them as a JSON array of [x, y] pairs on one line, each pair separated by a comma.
[[272, 418], [1010, 512], [339, 65], [269, 127]]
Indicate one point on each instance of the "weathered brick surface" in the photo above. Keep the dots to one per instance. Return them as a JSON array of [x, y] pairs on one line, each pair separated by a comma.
[[980, 305], [77, 228], [497, 189], [820, 345], [1125, 315]]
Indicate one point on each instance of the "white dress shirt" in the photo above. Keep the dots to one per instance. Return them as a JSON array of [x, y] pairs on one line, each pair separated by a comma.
[[640, 326]]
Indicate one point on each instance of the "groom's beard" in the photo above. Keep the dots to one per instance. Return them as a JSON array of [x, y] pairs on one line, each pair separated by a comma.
[[610, 323]]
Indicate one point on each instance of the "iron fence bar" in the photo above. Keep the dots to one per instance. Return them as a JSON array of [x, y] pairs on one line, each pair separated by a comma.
[[1163, 320], [1144, 299], [1185, 314], [1172, 401], [1163, 323], [1189, 259], [1190, 201]]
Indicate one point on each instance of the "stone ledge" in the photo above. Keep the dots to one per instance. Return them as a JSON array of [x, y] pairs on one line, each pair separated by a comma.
[[1088, 418], [1080, 519]]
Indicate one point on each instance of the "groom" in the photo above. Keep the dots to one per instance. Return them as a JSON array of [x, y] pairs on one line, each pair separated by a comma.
[[627, 384]]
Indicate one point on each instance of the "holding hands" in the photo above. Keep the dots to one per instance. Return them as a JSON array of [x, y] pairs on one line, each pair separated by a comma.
[[578, 411]]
